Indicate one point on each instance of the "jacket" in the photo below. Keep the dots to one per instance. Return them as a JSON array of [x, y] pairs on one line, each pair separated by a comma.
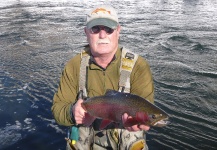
[[99, 80]]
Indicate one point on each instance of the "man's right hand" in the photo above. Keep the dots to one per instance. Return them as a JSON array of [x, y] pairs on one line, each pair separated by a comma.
[[80, 115]]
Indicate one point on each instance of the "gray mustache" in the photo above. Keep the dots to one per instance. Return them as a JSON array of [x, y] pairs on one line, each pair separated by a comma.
[[103, 41]]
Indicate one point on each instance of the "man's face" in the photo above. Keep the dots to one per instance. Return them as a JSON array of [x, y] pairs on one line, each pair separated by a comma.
[[101, 41]]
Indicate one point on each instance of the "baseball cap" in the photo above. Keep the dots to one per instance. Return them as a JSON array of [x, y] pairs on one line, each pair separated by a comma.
[[102, 15]]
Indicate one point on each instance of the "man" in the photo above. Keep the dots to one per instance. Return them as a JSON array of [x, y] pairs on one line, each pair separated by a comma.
[[104, 61]]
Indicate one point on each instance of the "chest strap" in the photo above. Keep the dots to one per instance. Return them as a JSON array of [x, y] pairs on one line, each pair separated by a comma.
[[83, 72], [128, 60]]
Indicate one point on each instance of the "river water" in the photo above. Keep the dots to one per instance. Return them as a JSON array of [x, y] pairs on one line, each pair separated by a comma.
[[177, 37]]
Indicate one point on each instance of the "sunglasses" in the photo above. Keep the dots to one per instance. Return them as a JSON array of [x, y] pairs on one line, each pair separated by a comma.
[[97, 29]]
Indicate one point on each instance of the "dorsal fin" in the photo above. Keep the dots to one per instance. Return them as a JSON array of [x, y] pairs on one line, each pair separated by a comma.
[[111, 92]]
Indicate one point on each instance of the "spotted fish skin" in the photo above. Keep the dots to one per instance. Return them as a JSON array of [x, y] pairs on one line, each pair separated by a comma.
[[111, 106]]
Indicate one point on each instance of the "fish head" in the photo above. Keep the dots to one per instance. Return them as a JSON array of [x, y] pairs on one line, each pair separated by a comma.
[[158, 120], [152, 119]]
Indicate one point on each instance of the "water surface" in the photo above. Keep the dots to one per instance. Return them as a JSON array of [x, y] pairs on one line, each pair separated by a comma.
[[177, 37]]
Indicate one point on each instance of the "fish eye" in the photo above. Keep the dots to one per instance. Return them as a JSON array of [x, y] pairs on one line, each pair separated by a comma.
[[154, 116]]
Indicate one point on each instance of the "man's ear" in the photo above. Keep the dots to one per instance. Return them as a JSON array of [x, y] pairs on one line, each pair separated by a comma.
[[85, 30], [119, 28], [118, 31]]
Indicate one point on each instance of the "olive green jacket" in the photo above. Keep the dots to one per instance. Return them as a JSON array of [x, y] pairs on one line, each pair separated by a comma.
[[99, 80]]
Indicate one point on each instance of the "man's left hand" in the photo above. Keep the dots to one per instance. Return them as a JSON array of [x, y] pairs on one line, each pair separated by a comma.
[[137, 127]]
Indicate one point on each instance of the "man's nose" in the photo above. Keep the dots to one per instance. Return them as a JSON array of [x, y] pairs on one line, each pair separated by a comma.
[[102, 34]]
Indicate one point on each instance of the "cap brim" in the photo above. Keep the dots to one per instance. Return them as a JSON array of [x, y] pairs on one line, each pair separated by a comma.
[[102, 21]]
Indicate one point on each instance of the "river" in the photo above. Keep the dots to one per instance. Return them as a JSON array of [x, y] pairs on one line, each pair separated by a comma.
[[177, 37]]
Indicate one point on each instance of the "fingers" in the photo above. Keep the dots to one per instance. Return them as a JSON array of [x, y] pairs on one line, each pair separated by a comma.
[[124, 118], [144, 127], [79, 112], [136, 127]]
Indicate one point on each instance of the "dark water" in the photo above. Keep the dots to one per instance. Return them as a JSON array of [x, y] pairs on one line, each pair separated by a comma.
[[177, 37]]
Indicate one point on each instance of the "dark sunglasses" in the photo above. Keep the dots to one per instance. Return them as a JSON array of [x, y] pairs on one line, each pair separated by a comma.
[[97, 29]]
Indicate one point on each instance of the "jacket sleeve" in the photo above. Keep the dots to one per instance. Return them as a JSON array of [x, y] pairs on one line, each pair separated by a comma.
[[66, 94], [142, 80]]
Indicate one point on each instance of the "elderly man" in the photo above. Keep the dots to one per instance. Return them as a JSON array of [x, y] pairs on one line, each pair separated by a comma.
[[101, 66]]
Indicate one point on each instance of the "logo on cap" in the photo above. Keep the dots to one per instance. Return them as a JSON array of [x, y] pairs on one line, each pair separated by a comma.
[[100, 10]]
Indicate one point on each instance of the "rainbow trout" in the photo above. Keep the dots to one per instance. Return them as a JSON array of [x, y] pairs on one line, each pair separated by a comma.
[[111, 106]]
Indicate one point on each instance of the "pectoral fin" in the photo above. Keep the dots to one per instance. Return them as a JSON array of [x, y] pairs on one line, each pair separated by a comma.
[[104, 124], [130, 122], [88, 120]]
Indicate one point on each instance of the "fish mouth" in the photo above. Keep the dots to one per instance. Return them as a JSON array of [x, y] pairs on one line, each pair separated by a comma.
[[162, 122]]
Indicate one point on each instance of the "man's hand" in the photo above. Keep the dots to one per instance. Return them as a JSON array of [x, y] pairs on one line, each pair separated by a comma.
[[80, 115], [137, 127]]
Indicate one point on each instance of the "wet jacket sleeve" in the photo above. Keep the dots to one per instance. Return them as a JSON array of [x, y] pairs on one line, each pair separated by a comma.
[[142, 80], [66, 95]]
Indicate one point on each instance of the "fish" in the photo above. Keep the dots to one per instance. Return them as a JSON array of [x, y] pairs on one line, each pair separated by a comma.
[[111, 106]]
